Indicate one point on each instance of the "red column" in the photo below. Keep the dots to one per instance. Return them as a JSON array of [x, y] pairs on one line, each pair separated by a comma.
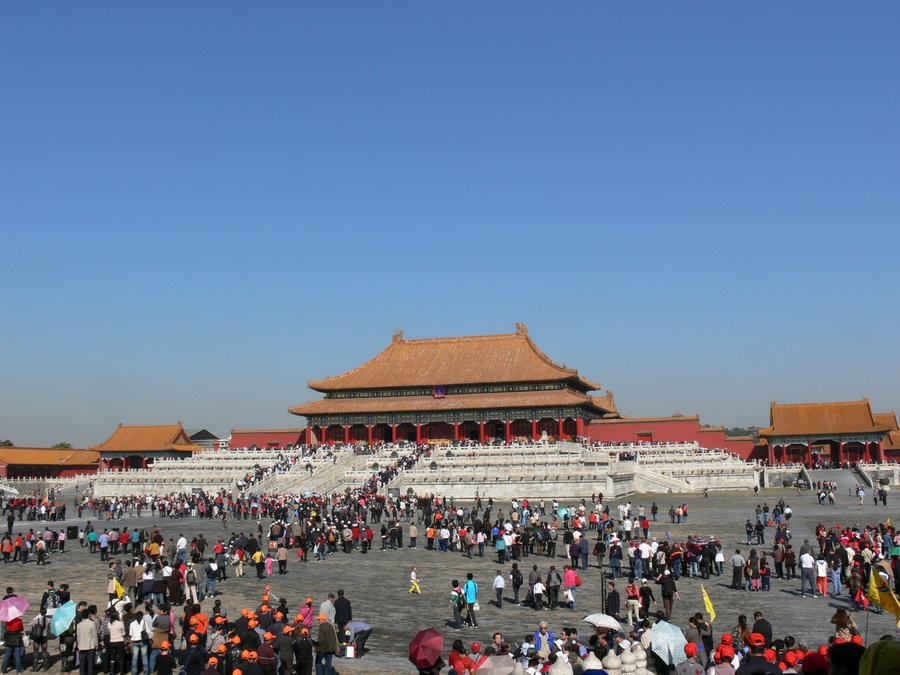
[[393, 433], [771, 456], [562, 428], [534, 430], [508, 432], [481, 432], [880, 457], [370, 433], [456, 431], [579, 426], [840, 452], [347, 434], [418, 433]]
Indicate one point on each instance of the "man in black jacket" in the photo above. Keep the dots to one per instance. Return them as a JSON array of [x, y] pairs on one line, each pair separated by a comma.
[[762, 627], [756, 663], [343, 614], [612, 600]]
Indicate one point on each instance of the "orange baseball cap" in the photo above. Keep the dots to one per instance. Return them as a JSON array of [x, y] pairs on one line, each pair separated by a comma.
[[253, 623], [237, 671], [213, 661], [304, 631], [245, 654], [253, 655], [222, 649], [165, 644], [221, 619], [265, 608], [309, 600], [289, 629], [194, 637], [322, 617], [269, 636], [236, 639]]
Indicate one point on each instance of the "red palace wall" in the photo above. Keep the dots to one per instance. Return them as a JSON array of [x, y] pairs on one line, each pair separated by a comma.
[[42, 470], [667, 430]]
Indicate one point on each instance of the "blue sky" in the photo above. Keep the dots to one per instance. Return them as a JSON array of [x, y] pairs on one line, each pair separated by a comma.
[[206, 204]]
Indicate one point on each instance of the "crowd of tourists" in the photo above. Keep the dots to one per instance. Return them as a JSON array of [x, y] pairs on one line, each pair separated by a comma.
[[749, 648], [152, 636]]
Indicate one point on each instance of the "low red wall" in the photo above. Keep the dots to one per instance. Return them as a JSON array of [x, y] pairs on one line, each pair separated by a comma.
[[667, 430]]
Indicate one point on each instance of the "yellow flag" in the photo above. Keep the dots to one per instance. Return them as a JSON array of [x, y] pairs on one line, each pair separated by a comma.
[[881, 594], [708, 603], [120, 589], [889, 523]]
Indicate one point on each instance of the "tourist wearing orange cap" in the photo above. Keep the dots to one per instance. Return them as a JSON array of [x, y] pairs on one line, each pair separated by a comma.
[[756, 663], [267, 660], [306, 614], [212, 666], [194, 658], [327, 646], [165, 662], [284, 647], [303, 652], [690, 665]]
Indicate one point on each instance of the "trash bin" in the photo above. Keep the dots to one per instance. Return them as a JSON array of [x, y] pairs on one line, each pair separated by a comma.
[[72, 532]]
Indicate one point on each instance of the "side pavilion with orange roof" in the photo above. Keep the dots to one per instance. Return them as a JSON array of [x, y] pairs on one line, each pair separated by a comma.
[[138, 447], [477, 387], [842, 431]]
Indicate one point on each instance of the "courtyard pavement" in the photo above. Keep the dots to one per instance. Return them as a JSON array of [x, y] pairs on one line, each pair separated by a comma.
[[377, 583]]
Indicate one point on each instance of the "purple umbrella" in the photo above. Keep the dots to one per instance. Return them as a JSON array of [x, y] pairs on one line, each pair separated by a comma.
[[13, 607]]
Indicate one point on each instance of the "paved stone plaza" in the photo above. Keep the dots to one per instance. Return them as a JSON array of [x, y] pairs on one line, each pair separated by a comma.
[[377, 583]]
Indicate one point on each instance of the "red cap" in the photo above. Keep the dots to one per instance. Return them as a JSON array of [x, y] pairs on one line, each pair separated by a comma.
[[726, 652], [790, 658], [727, 639], [690, 649], [770, 654], [476, 647], [813, 661], [757, 640]]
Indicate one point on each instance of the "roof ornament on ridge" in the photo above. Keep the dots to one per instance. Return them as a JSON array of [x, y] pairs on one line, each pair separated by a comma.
[[398, 335], [521, 328]]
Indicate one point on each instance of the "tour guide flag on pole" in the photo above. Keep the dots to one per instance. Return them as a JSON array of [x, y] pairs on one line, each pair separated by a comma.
[[708, 603], [882, 595], [120, 589]]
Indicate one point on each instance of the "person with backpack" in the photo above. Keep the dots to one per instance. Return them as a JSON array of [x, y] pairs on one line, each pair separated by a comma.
[[516, 579], [39, 634], [191, 585], [212, 576], [457, 603], [50, 599]]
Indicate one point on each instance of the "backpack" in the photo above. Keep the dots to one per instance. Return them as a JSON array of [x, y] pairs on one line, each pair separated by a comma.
[[517, 577], [460, 598], [52, 600], [191, 577]]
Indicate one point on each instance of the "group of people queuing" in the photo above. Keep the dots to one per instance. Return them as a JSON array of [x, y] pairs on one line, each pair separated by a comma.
[[152, 637]]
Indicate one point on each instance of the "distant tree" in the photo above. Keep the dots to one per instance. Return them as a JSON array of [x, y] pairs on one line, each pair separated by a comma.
[[6, 444], [738, 431], [62, 446]]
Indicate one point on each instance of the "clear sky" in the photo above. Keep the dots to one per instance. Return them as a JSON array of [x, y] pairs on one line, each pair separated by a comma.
[[204, 205]]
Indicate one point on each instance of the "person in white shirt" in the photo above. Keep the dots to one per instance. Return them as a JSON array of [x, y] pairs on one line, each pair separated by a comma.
[[538, 591], [498, 586], [137, 632], [414, 582], [181, 549], [807, 574], [822, 576]]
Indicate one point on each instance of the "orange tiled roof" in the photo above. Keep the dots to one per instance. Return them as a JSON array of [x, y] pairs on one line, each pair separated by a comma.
[[471, 359], [889, 418], [813, 419], [147, 439], [711, 429], [607, 402], [518, 399], [48, 456], [892, 442]]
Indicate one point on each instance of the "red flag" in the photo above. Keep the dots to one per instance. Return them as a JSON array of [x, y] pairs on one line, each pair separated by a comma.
[[862, 598]]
